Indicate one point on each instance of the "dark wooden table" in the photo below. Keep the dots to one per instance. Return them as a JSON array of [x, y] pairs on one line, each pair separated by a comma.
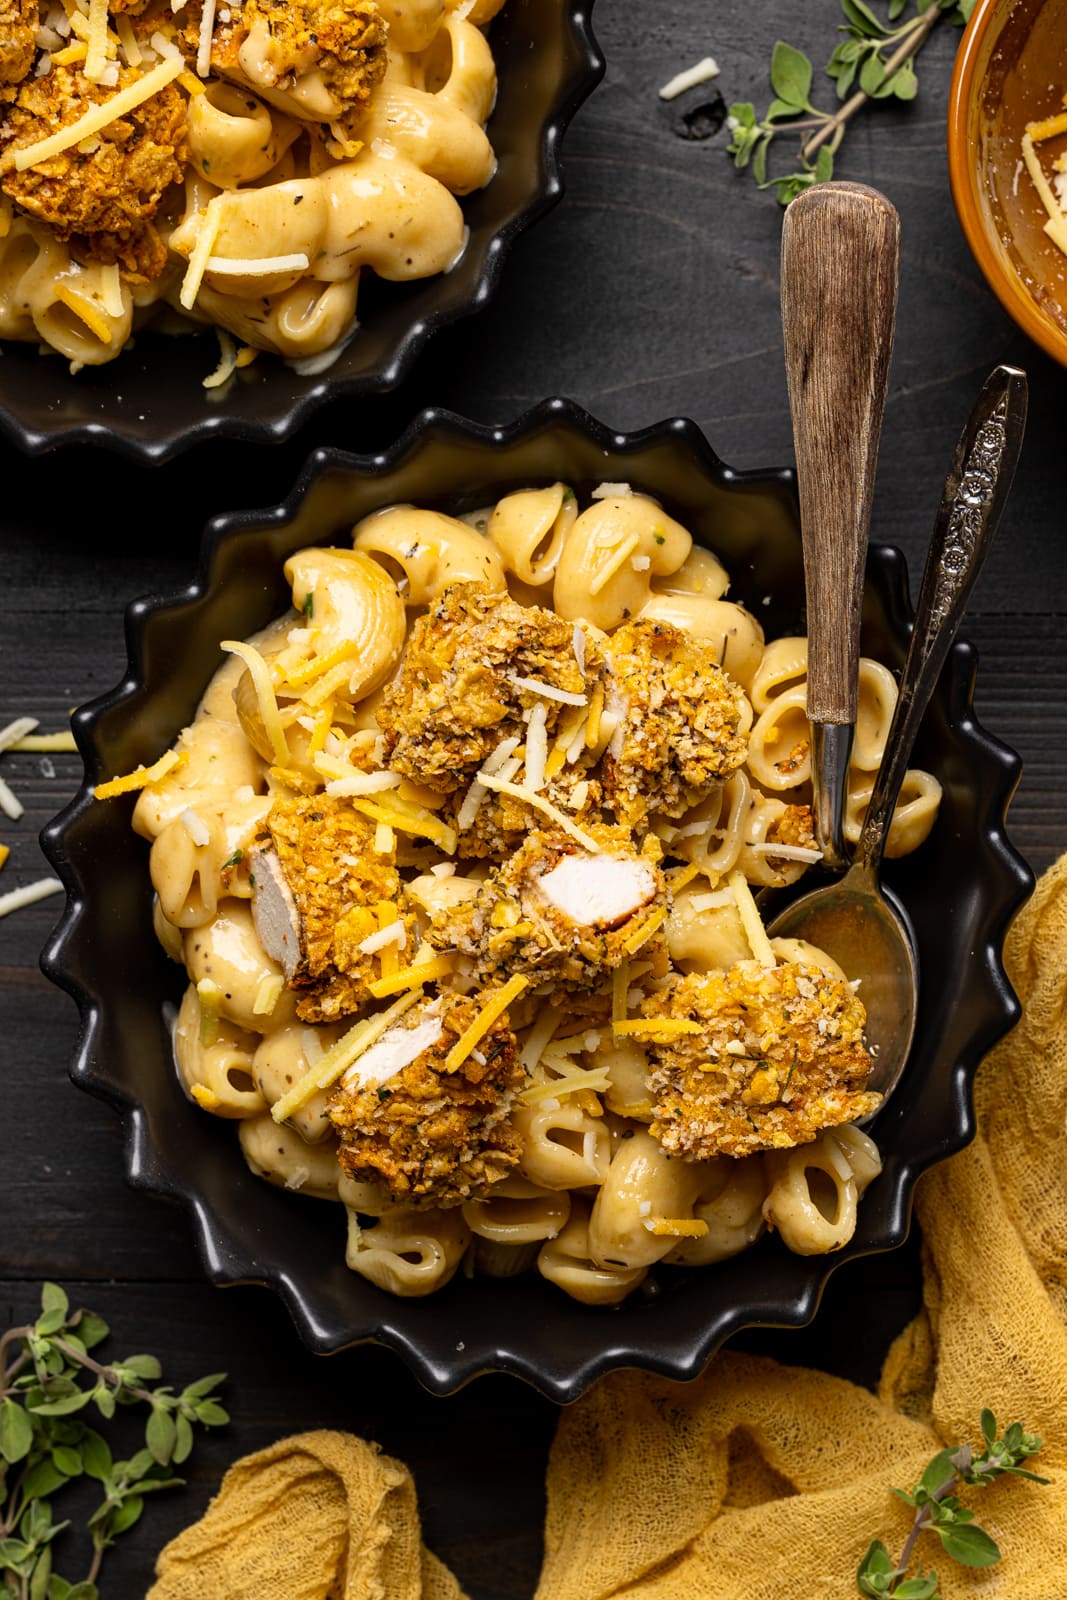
[[650, 291]]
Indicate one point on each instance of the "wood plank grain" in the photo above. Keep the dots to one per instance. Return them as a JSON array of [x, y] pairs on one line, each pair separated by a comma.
[[651, 291]]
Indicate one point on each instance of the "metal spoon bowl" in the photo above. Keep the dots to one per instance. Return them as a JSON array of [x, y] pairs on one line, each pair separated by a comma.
[[862, 925]]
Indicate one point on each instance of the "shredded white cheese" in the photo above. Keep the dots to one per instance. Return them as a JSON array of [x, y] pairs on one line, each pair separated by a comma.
[[548, 691], [364, 783], [227, 361], [751, 921], [195, 827], [538, 1038], [205, 243], [28, 895], [788, 852], [713, 901], [609, 491], [393, 934], [536, 749], [16, 731], [256, 267], [203, 48], [700, 72], [10, 805]]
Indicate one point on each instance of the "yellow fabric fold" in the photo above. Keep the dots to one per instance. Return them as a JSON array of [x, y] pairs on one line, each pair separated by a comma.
[[756, 1481], [322, 1516]]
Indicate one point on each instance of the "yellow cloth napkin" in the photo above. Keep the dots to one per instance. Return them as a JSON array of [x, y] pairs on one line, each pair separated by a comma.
[[757, 1481]]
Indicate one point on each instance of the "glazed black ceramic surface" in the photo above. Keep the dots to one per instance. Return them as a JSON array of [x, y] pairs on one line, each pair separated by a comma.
[[961, 890], [150, 402]]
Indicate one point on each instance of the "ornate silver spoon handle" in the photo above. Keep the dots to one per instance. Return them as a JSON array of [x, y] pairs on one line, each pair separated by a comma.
[[973, 498]]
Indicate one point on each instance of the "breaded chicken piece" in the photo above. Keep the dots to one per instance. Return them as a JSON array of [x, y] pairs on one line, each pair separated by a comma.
[[502, 821], [556, 911], [101, 201], [430, 1135], [778, 1057], [683, 722], [317, 888], [456, 698], [318, 59], [18, 24]]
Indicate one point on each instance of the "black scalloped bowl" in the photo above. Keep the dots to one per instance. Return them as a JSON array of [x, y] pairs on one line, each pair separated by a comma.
[[962, 890], [150, 402]]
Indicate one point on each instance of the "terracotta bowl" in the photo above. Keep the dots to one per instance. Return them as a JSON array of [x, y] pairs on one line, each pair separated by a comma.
[[1011, 69]]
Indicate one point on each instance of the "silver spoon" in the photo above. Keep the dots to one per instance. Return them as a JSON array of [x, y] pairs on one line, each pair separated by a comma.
[[863, 926], [840, 265]]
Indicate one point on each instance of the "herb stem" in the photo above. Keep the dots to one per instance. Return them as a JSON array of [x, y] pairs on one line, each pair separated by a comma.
[[921, 1520], [15, 1508], [108, 1374], [915, 38], [12, 1336]]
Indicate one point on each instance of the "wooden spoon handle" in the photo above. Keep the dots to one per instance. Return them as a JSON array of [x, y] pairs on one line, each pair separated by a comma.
[[840, 263]]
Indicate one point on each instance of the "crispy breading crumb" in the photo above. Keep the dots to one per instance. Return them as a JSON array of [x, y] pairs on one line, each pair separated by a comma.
[[102, 199], [336, 49], [455, 700], [326, 852], [685, 726], [18, 24], [430, 1136], [780, 1056]]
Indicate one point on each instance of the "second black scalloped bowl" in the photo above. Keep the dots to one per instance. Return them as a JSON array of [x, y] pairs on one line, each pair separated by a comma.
[[150, 402], [961, 889]]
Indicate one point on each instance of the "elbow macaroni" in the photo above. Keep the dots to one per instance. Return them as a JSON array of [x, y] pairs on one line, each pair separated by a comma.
[[594, 1202]]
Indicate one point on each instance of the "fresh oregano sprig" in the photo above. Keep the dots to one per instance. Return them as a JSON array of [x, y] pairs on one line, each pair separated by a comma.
[[47, 1377], [938, 1511], [875, 57]]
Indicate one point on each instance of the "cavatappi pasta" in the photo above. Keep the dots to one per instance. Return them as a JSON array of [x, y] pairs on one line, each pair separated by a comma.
[[236, 164], [458, 856]]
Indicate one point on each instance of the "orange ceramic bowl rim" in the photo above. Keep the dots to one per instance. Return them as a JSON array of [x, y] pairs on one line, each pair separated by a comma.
[[968, 194]]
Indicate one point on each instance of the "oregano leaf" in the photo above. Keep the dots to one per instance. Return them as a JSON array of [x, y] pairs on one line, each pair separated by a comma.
[[968, 1544], [126, 1515], [183, 1440], [42, 1572], [938, 1473], [863, 18], [920, 1588], [791, 74], [204, 1386], [53, 1298], [43, 1479], [143, 1367], [92, 1330], [16, 1432], [872, 75], [159, 1435], [67, 1460], [904, 84], [65, 1406]]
